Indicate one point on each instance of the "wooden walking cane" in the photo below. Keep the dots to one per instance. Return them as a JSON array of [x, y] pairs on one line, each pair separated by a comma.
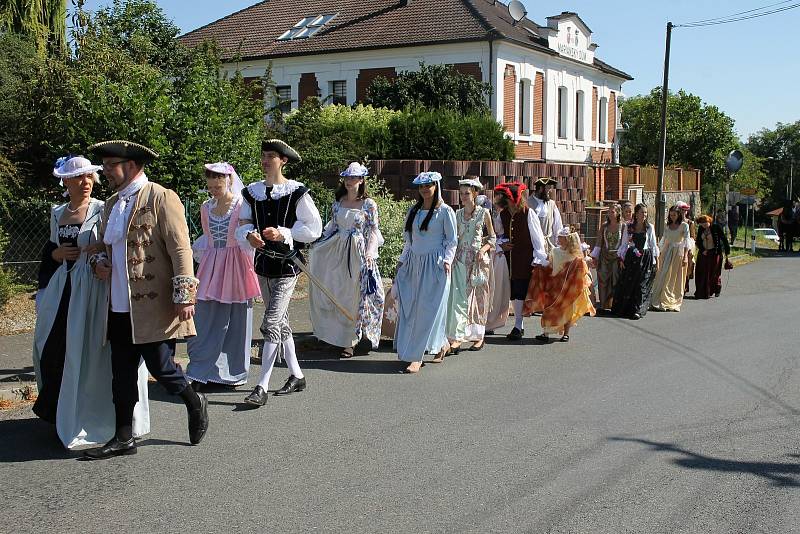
[[317, 282]]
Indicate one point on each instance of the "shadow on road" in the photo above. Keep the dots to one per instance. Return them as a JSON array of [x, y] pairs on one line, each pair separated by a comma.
[[780, 474], [27, 440]]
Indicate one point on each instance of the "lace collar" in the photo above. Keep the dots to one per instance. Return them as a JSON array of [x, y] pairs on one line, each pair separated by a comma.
[[212, 204], [259, 189]]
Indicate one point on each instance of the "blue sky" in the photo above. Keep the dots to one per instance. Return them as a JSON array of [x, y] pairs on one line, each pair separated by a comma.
[[748, 69]]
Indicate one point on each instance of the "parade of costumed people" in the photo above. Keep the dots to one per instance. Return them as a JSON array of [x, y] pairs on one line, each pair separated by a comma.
[[148, 264], [713, 250], [220, 352], [606, 260], [638, 254], [565, 298], [71, 359], [278, 219], [524, 246], [422, 282], [344, 260], [470, 296], [673, 262]]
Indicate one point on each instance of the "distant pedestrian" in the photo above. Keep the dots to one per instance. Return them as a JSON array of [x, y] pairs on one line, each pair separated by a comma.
[[733, 223], [713, 249]]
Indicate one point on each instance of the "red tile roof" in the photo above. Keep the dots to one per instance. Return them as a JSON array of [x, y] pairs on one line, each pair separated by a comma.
[[252, 33]]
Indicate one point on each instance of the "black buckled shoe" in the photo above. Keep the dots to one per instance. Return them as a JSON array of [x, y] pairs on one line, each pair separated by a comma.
[[115, 447], [516, 334], [257, 398], [292, 385], [198, 421]]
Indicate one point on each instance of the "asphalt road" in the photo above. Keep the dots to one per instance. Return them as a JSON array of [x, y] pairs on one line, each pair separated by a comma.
[[681, 422]]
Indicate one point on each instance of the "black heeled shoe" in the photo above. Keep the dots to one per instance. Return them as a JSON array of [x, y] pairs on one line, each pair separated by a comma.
[[292, 385]]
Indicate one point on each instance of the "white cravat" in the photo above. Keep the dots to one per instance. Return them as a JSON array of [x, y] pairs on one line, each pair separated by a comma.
[[116, 229]]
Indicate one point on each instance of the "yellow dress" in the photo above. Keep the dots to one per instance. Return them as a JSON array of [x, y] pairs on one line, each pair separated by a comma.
[[671, 278]]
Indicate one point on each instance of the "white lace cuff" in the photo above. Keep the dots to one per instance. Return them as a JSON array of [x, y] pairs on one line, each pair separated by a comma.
[[287, 236]]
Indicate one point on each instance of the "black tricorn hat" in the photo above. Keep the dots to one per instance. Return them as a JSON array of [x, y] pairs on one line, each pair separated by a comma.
[[118, 148], [282, 148], [545, 180]]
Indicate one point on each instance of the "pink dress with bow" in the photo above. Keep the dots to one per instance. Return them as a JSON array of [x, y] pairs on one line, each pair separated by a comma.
[[226, 273]]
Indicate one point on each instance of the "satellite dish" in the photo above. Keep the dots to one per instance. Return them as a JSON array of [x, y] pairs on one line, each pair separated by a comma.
[[516, 10], [734, 161]]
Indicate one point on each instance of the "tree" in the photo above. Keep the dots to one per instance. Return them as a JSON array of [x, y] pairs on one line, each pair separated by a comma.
[[434, 87], [699, 135], [104, 90], [141, 29], [44, 21], [778, 148]]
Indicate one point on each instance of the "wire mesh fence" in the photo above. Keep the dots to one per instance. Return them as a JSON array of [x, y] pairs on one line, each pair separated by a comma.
[[28, 230]]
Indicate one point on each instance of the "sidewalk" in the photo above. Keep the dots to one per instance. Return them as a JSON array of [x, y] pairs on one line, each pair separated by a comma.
[[16, 367]]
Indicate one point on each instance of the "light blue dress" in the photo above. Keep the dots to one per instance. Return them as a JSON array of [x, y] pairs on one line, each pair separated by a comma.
[[423, 286]]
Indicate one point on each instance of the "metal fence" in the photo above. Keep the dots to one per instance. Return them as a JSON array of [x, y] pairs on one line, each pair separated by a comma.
[[28, 229]]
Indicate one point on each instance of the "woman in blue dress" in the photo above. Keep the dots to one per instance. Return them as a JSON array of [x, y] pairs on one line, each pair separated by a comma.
[[423, 275]]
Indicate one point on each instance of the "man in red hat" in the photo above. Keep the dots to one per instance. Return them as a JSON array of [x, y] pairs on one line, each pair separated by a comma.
[[525, 247]]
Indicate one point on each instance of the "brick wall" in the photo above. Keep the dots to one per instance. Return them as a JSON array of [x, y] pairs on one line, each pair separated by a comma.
[[528, 151], [366, 77], [538, 105], [509, 98], [612, 117], [472, 69], [595, 105], [307, 88], [257, 90]]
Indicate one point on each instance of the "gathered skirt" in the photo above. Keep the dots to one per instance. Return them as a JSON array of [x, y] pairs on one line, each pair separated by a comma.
[[708, 275], [500, 293], [635, 284], [422, 288], [220, 352]]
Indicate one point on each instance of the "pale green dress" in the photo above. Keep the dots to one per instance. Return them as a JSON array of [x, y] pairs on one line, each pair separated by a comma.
[[470, 295]]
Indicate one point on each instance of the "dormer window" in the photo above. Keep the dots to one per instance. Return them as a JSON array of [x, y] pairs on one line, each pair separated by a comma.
[[307, 27]]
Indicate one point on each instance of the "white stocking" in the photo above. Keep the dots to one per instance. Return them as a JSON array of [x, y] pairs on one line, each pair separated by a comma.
[[518, 313], [268, 353], [291, 358]]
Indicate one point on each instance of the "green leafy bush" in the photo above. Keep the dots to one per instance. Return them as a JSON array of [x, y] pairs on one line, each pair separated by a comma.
[[433, 87], [392, 218], [6, 277]]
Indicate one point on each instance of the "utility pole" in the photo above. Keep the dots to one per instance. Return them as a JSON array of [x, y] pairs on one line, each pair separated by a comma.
[[662, 154]]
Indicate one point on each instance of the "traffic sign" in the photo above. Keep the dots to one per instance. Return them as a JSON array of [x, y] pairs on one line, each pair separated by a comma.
[[748, 192]]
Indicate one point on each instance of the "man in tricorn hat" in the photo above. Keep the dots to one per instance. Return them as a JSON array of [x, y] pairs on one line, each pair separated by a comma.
[[547, 211], [148, 261], [278, 218]]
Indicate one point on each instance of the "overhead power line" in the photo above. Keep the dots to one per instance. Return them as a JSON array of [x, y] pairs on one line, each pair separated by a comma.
[[741, 12], [744, 15]]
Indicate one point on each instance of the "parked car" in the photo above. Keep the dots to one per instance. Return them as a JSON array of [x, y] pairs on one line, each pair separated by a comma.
[[767, 233]]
